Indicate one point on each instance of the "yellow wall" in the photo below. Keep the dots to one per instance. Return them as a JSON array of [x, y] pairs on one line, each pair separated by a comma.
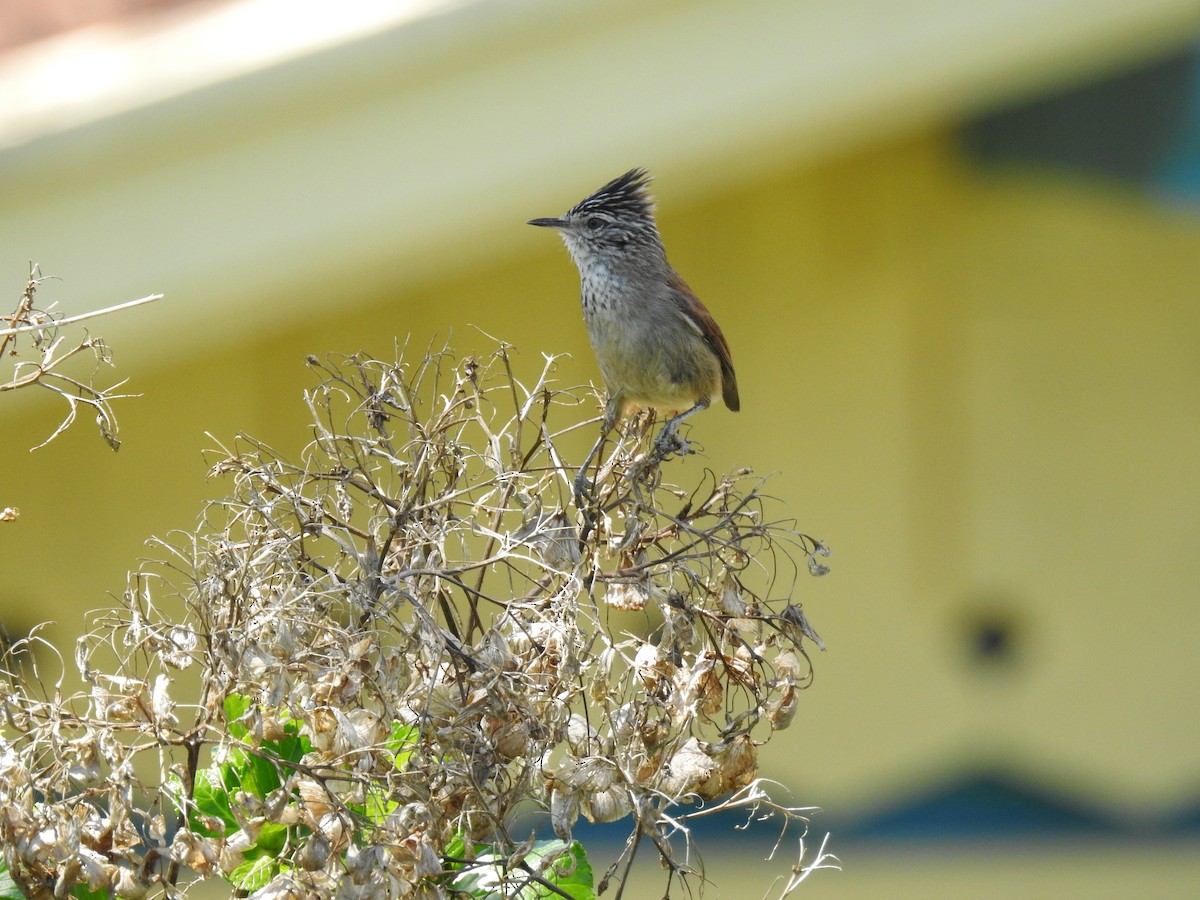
[[980, 391]]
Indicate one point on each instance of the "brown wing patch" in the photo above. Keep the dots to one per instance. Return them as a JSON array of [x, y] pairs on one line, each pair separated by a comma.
[[698, 313]]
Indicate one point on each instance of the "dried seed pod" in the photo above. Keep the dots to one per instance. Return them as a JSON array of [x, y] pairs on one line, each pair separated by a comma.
[[629, 596], [607, 805], [781, 709], [687, 768], [737, 766], [564, 810]]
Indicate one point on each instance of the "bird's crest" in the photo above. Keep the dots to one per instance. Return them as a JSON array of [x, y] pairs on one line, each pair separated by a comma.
[[625, 197]]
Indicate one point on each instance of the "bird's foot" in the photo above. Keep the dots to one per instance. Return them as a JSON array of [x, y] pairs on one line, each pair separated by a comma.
[[585, 502], [670, 441], [583, 490]]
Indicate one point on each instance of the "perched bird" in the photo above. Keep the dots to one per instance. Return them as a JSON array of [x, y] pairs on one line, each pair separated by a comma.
[[657, 345]]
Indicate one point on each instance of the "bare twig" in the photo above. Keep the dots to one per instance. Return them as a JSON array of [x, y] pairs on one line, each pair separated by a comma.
[[802, 870], [71, 320], [53, 350]]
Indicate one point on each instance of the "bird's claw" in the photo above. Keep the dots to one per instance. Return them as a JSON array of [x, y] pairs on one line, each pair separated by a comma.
[[585, 502], [583, 490], [670, 441]]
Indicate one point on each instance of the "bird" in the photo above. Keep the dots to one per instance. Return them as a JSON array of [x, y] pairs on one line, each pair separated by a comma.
[[657, 345]]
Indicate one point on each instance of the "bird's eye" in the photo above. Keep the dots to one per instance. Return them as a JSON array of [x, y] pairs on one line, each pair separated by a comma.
[[595, 223]]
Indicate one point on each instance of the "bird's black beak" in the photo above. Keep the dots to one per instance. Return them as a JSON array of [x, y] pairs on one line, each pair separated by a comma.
[[548, 223]]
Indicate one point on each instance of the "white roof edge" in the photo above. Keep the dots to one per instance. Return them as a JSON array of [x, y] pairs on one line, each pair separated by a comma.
[[427, 144], [109, 69]]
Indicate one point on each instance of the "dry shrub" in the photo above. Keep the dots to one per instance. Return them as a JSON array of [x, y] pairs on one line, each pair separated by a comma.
[[376, 670]]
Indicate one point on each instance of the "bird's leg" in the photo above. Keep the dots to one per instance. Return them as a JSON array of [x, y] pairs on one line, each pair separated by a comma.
[[667, 440], [583, 487]]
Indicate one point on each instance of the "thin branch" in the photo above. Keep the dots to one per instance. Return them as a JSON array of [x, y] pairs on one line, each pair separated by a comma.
[[70, 320]]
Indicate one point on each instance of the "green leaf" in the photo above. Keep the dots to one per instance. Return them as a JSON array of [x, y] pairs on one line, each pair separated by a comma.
[[293, 747], [254, 874], [272, 838], [402, 742], [8, 887], [257, 775], [572, 874], [379, 805], [236, 706], [492, 880], [456, 848], [211, 798]]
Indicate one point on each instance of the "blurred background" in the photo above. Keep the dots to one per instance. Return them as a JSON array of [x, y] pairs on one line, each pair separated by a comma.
[[955, 248]]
